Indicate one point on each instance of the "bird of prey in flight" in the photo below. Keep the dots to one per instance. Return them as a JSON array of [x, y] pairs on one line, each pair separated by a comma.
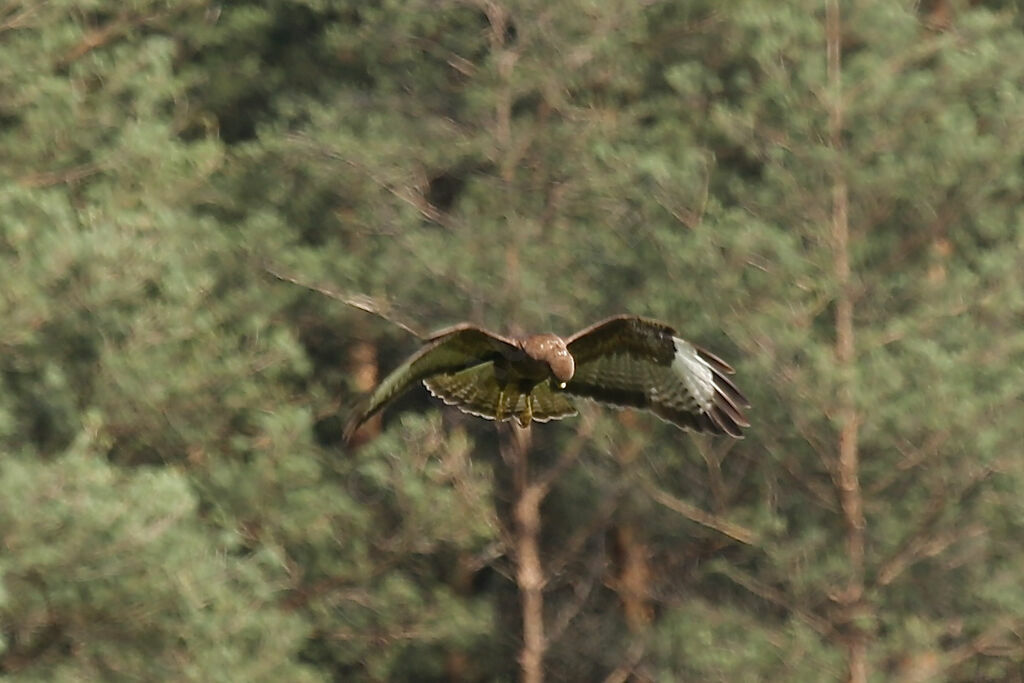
[[623, 361]]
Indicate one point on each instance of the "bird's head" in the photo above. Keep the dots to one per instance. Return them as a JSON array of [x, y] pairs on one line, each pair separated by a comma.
[[551, 349]]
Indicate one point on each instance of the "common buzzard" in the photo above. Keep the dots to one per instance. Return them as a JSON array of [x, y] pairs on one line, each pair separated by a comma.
[[624, 361]]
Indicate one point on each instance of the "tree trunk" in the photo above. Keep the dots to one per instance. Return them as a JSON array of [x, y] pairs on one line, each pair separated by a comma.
[[632, 575], [362, 359], [529, 570], [848, 470]]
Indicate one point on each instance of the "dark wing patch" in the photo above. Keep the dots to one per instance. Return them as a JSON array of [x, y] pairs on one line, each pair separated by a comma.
[[448, 351], [641, 363], [641, 337]]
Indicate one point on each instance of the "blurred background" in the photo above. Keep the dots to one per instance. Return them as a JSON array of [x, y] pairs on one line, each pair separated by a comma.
[[828, 195]]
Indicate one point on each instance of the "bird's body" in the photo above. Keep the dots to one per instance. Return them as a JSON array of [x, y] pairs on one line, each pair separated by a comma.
[[624, 361]]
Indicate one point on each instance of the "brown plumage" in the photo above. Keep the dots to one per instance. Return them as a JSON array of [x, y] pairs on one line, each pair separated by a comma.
[[624, 361]]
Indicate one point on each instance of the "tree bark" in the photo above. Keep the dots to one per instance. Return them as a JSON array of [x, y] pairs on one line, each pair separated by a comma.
[[633, 575], [848, 474], [362, 358], [529, 570]]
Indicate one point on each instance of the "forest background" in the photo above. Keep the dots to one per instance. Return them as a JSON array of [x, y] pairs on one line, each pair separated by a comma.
[[829, 195]]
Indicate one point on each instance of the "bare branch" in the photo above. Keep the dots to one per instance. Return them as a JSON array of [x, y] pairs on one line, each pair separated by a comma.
[[624, 671], [381, 309], [777, 597], [922, 546], [16, 15], [599, 519], [68, 175], [734, 531], [567, 457], [581, 592]]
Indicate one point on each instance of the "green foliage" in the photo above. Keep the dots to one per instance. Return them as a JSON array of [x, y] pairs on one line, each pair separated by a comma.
[[113, 574], [174, 499]]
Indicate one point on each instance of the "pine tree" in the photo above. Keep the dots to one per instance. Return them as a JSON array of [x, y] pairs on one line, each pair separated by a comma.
[[130, 357], [827, 195]]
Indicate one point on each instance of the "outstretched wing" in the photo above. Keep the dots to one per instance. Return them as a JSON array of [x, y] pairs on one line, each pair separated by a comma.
[[476, 391], [451, 350], [641, 363]]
